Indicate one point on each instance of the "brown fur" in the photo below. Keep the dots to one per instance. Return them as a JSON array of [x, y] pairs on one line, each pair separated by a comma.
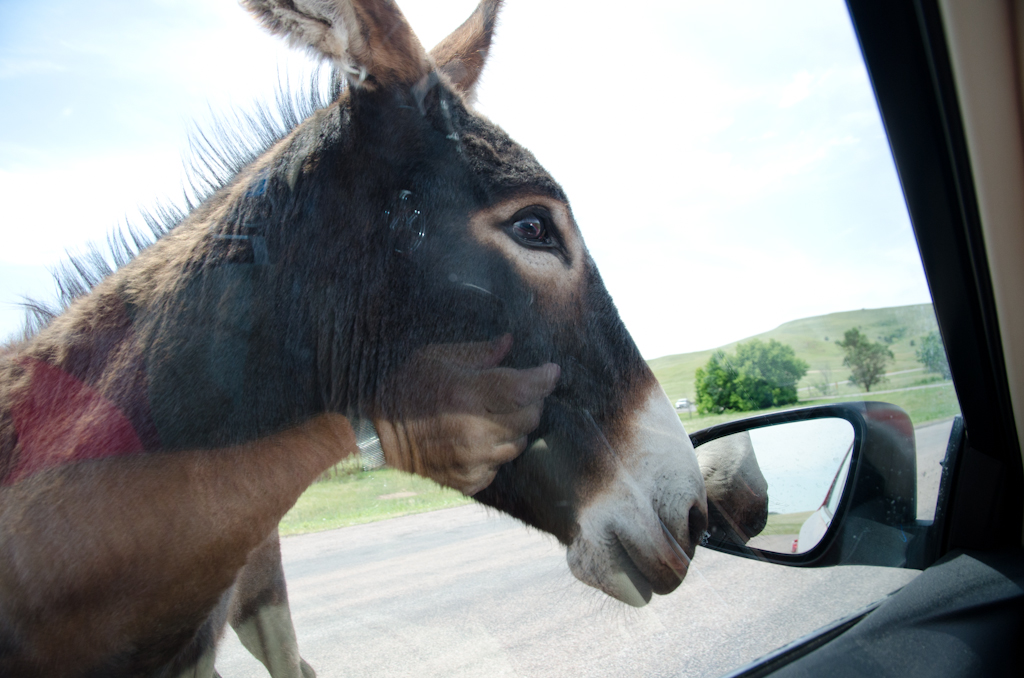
[[373, 36], [461, 56], [210, 508], [392, 53]]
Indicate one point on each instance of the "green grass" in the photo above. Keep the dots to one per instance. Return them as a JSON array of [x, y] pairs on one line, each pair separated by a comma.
[[923, 405], [345, 498], [814, 339], [785, 523]]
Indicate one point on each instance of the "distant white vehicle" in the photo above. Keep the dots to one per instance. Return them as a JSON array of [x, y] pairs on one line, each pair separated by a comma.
[[682, 404]]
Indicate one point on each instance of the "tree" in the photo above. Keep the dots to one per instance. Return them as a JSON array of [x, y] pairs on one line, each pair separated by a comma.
[[758, 376], [932, 355], [715, 383], [824, 383], [866, 359]]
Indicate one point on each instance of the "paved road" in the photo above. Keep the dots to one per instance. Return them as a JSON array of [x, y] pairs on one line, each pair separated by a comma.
[[467, 592], [464, 593]]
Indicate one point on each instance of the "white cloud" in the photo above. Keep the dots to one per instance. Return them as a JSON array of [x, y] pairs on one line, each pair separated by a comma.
[[12, 67], [49, 211], [798, 89]]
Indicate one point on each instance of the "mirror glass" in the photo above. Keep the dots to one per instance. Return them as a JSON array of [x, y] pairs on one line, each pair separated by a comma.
[[776, 488]]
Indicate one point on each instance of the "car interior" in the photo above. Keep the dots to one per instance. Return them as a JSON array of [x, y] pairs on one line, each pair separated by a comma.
[[947, 77]]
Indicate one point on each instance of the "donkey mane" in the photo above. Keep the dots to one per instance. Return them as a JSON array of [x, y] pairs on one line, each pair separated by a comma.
[[215, 156]]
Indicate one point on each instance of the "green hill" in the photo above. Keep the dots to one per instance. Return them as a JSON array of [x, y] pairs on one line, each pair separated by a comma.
[[814, 339]]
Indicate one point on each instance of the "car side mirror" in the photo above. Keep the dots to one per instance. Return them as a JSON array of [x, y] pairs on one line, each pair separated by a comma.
[[839, 486]]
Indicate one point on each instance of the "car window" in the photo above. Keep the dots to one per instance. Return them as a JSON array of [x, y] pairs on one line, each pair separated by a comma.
[[729, 172]]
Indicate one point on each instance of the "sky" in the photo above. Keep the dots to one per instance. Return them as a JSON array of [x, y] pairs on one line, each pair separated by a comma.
[[725, 161]]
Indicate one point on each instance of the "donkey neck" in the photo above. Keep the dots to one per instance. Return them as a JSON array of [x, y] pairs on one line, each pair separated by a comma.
[[194, 343]]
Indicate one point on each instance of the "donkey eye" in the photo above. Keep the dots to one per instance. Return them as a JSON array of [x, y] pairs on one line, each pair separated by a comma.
[[532, 230]]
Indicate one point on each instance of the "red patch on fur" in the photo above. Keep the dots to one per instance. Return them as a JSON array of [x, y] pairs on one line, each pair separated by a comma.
[[63, 420]]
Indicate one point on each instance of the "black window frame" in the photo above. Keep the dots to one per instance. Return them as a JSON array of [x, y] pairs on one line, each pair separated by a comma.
[[981, 502]]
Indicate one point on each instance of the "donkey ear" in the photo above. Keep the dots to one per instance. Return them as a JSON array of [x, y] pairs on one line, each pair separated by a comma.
[[461, 55], [363, 37]]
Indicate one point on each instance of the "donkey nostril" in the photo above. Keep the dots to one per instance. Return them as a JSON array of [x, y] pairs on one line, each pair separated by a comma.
[[697, 521]]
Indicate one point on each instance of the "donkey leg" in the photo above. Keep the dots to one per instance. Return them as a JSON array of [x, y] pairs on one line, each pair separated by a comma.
[[197, 659], [203, 668], [260, 614]]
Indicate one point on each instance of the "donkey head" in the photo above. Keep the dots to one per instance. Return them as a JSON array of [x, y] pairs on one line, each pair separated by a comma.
[[429, 225]]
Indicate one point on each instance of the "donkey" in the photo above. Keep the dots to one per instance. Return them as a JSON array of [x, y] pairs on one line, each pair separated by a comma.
[[394, 257]]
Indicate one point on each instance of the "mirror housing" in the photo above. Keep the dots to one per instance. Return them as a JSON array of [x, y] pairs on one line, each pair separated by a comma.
[[876, 520]]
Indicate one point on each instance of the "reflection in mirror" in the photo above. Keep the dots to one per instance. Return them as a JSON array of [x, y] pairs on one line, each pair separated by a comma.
[[777, 488], [737, 490]]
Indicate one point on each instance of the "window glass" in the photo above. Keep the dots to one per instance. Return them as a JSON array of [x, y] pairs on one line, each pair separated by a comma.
[[729, 172]]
